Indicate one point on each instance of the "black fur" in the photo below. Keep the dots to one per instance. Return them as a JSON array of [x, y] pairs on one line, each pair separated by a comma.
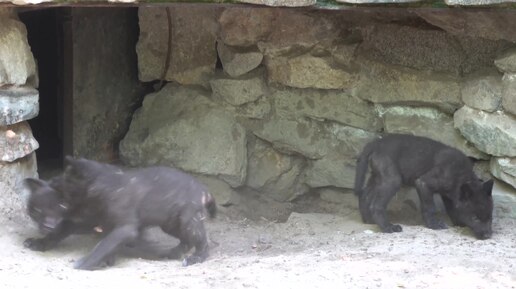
[[124, 203], [431, 167], [54, 216]]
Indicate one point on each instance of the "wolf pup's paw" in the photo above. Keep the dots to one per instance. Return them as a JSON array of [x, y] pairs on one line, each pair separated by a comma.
[[437, 225], [35, 244], [393, 229], [190, 260], [83, 264]]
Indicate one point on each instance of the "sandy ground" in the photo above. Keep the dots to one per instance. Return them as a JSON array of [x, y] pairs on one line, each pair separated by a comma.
[[311, 250]]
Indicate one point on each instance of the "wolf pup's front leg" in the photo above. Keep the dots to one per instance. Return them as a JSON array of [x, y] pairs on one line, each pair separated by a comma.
[[50, 240]]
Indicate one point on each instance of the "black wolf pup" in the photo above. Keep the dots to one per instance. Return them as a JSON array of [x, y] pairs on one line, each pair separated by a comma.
[[432, 168], [53, 215], [125, 202]]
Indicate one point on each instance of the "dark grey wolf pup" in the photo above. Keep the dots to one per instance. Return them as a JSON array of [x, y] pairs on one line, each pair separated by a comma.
[[123, 203], [54, 216], [432, 168]]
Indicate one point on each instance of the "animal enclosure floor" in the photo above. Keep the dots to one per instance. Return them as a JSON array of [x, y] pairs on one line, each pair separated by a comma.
[[310, 250]]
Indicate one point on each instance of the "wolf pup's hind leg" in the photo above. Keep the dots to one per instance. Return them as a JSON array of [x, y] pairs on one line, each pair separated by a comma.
[[387, 183]]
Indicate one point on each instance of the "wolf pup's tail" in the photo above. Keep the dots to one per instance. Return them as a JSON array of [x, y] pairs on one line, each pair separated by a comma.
[[209, 203], [362, 165]]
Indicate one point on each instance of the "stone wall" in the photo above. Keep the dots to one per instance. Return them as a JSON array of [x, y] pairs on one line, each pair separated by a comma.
[[298, 93], [322, 4], [18, 103]]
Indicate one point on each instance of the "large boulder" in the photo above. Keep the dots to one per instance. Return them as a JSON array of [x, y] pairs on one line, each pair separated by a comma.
[[296, 32], [421, 49], [332, 170], [332, 105], [221, 191], [245, 26], [493, 133], [258, 109], [265, 164], [386, 84], [182, 127], [504, 169], [506, 61], [193, 54], [312, 139], [18, 104], [17, 65], [13, 194], [237, 62], [337, 167], [16, 141], [240, 91], [428, 122], [482, 91], [274, 174], [307, 71], [424, 48], [304, 137], [489, 24], [509, 93], [349, 140], [479, 53], [281, 3]]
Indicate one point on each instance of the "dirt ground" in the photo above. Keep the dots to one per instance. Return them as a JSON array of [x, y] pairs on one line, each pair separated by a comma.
[[323, 249]]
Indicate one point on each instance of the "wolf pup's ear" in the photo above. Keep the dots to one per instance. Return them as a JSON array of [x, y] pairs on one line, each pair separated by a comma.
[[487, 186], [34, 184]]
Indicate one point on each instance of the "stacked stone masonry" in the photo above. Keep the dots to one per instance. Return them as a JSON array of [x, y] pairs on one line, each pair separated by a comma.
[[269, 104], [300, 3], [299, 93], [18, 103]]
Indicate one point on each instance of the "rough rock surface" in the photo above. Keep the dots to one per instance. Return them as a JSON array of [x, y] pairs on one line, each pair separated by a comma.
[[180, 126], [239, 91], [281, 3], [332, 105], [504, 169], [428, 122], [16, 141], [422, 49], [385, 84], [304, 137], [17, 65], [193, 53], [238, 62], [18, 104], [506, 62], [493, 24], [13, 195], [265, 164], [307, 71], [483, 92], [493, 133], [332, 170], [509, 93], [244, 27]]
